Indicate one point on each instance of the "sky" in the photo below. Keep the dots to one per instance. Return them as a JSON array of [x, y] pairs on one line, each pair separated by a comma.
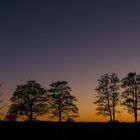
[[72, 40]]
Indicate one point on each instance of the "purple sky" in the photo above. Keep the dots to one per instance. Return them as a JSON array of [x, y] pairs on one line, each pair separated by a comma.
[[73, 40]]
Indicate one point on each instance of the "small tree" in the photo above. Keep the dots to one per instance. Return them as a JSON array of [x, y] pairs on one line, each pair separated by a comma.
[[107, 97], [28, 100], [62, 102], [131, 95]]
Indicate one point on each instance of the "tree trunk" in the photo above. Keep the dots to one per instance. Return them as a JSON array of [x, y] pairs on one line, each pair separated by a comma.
[[113, 101], [136, 104], [31, 113], [59, 117], [136, 116], [110, 114], [31, 116], [110, 118], [113, 114], [109, 109], [59, 108]]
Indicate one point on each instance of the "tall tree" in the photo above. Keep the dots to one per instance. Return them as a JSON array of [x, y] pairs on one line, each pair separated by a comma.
[[107, 97], [28, 100], [62, 102], [131, 94]]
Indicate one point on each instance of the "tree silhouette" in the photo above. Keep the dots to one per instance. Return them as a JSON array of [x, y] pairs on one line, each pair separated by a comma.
[[131, 95], [62, 102], [107, 95], [1, 106], [12, 113], [28, 100]]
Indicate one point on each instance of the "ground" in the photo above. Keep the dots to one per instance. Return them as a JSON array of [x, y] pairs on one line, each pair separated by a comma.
[[49, 130]]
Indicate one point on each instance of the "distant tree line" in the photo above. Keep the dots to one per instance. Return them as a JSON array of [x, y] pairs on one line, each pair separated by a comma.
[[112, 92]]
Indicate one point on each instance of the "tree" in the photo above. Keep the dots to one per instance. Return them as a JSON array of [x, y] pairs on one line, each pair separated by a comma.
[[28, 100], [107, 97], [12, 113], [131, 95], [62, 102], [1, 106]]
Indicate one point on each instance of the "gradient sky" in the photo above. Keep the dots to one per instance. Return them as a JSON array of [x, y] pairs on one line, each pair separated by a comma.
[[73, 40]]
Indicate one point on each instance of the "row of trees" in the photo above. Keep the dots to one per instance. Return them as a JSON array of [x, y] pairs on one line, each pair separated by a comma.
[[112, 92], [31, 100]]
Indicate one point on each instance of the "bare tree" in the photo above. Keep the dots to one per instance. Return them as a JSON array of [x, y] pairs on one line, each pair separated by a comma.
[[62, 102], [131, 95], [107, 97]]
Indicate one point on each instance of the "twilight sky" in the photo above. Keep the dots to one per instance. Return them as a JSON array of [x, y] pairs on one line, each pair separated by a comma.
[[73, 40]]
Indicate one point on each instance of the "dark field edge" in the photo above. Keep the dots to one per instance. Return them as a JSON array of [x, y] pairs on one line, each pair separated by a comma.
[[76, 130]]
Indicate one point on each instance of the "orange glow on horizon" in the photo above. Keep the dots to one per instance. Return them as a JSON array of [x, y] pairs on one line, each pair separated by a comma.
[[87, 109]]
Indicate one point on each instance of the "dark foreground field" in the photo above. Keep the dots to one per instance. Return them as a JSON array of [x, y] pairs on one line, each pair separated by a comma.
[[45, 130]]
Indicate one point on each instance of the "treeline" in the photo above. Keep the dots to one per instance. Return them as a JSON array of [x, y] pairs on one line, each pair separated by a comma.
[[113, 92], [30, 100]]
